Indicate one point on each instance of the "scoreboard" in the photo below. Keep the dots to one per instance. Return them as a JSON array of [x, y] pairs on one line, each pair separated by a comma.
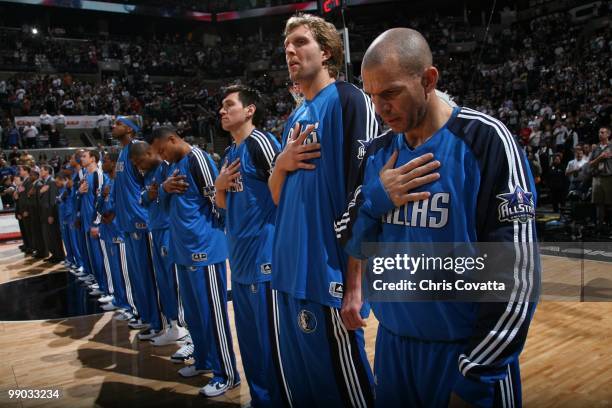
[[327, 7]]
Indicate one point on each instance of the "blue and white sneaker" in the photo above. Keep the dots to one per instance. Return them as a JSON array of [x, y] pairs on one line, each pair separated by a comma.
[[217, 386]]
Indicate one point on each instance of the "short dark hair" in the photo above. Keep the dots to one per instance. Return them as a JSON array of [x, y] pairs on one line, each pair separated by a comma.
[[112, 156], [26, 168], [94, 153], [48, 168], [248, 96], [161, 132], [138, 148]]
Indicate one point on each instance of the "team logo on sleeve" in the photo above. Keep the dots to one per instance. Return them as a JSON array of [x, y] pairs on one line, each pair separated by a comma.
[[266, 269], [119, 166], [208, 191], [516, 205], [117, 240], [199, 257], [336, 289], [307, 321], [362, 149], [140, 225], [136, 235], [164, 251]]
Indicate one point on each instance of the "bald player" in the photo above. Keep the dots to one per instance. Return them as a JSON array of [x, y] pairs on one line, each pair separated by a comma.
[[432, 354]]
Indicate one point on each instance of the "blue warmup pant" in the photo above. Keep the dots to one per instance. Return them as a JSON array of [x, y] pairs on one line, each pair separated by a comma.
[[142, 277], [76, 240], [94, 253], [415, 373], [164, 273], [204, 294], [321, 363], [114, 275], [65, 231], [254, 318], [123, 298]]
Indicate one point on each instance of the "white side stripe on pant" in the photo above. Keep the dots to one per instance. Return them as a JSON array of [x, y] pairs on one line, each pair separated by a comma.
[[109, 276], [126, 278], [348, 365], [276, 336], [218, 315]]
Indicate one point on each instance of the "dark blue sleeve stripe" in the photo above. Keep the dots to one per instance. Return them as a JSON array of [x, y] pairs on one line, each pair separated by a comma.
[[510, 322], [265, 145], [205, 172]]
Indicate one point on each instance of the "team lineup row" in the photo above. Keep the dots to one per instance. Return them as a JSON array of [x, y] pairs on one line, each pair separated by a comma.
[[150, 229]]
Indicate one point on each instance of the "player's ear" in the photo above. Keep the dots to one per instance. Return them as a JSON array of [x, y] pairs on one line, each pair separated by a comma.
[[325, 54], [429, 79], [251, 111]]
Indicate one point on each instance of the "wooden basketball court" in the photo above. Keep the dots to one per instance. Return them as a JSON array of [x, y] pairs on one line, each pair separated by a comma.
[[96, 361]]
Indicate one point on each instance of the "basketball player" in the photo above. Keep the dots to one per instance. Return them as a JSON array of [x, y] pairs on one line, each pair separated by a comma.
[[198, 246], [88, 189], [321, 362], [114, 242], [432, 354], [243, 181], [155, 171], [132, 221]]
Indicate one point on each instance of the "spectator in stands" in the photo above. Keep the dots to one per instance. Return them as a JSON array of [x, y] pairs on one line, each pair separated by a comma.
[[30, 136], [574, 169], [557, 182], [59, 121], [46, 121], [14, 155], [7, 190], [601, 167], [12, 137]]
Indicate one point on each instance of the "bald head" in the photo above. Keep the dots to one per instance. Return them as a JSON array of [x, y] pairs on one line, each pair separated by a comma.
[[407, 47]]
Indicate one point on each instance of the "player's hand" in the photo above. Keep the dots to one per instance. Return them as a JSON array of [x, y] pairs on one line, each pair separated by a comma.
[[70, 183], [25, 214], [44, 189], [458, 402], [94, 232], [108, 218], [605, 155], [228, 176], [106, 191], [153, 191], [19, 216], [84, 187], [50, 220], [410, 176], [175, 183], [350, 312], [296, 154]]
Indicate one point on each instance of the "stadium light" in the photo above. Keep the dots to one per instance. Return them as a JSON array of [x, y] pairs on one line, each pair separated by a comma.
[[34, 30]]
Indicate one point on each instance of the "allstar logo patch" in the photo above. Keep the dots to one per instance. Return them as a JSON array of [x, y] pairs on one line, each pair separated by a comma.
[[516, 205]]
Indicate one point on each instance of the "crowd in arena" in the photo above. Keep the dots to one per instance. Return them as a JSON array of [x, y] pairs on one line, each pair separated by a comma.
[[548, 83]]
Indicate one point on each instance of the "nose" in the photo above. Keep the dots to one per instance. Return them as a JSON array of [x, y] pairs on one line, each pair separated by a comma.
[[289, 50]]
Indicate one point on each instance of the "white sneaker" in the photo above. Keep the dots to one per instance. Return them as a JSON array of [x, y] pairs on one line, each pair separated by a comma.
[[124, 316], [94, 286], [148, 334], [191, 371], [96, 292], [106, 299], [138, 325], [109, 307], [86, 278], [80, 272], [217, 386], [169, 336], [182, 354]]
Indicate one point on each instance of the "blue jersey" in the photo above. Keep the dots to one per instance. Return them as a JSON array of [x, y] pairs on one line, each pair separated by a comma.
[[75, 197], [130, 184], [482, 167], [250, 209], [89, 215], [106, 205], [308, 261], [158, 208], [196, 230], [64, 205]]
